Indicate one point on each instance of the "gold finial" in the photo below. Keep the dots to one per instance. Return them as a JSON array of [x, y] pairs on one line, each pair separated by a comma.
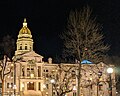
[[24, 20], [24, 23]]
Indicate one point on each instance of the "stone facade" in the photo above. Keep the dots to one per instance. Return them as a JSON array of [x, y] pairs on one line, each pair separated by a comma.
[[31, 75]]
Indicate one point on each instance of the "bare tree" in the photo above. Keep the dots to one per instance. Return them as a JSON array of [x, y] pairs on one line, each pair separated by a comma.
[[5, 69], [7, 46], [64, 77], [83, 38]]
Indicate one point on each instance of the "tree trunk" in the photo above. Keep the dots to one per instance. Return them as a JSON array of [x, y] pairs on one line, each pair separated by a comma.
[[3, 87], [78, 80]]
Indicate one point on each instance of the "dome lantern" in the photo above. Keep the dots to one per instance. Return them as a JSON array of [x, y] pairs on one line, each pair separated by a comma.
[[24, 23]]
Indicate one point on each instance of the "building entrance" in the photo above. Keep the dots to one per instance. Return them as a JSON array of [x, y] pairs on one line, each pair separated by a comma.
[[30, 86]]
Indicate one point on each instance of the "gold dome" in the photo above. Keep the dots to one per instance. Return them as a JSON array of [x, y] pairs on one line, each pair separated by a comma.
[[25, 29]]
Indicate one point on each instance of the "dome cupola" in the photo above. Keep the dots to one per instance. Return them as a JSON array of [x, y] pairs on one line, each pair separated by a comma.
[[25, 31], [24, 41]]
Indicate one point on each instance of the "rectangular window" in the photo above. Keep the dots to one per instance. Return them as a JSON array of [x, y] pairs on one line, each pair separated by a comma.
[[0, 85], [11, 85], [91, 86], [39, 71], [30, 85], [23, 71], [25, 47], [7, 85], [28, 71], [39, 86]]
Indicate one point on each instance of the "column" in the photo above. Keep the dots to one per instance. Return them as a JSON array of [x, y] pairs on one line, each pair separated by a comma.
[[36, 86], [37, 72], [25, 71], [20, 86], [25, 86]]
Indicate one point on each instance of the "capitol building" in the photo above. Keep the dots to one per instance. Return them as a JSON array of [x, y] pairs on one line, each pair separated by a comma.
[[31, 76]]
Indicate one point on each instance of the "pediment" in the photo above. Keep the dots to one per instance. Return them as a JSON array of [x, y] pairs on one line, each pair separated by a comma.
[[32, 56]]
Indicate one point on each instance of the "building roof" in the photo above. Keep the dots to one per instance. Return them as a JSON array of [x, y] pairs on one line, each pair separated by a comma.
[[86, 62]]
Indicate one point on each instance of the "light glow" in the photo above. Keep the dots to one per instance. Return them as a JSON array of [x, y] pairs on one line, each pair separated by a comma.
[[44, 86], [74, 88], [110, 70], [52, 80], [22, 85]]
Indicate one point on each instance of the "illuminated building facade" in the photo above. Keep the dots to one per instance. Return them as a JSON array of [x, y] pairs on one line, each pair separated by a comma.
[[30, 76]]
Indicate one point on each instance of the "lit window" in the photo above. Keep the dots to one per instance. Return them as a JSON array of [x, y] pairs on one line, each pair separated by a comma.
[[30, 71]]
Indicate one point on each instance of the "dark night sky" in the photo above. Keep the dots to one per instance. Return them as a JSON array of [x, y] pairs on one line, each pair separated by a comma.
[[47, 18]]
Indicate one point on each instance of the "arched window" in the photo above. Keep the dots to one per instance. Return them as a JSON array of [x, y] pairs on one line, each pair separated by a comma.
[[20, 46], [30, 48], [25, 46]]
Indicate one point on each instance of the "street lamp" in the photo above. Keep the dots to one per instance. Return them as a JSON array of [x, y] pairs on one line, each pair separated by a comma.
[[52, 82], [98, 81], [10, 89], [110, 71], [74, 90], [44, 86]]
